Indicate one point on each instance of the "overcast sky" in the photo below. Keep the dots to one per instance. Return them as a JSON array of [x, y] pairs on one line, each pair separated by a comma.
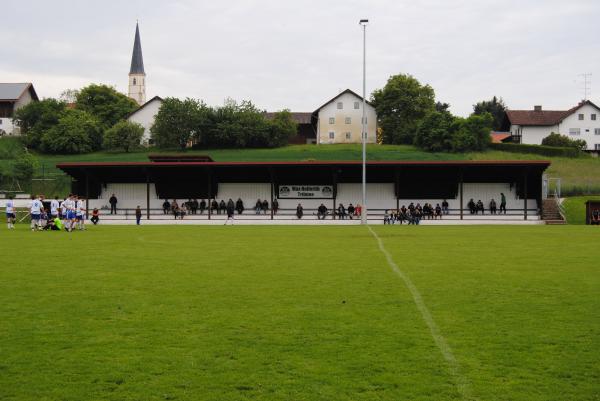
[[298, 54]]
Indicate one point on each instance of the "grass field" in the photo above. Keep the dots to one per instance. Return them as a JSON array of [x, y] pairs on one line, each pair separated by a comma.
[[300, 313], [575, 208]]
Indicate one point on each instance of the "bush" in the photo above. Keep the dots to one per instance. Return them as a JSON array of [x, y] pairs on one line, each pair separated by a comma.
[[434, 133], [537, 149], [123, 135], [24, 166], [76, 132], [440, 131], [558, 140]]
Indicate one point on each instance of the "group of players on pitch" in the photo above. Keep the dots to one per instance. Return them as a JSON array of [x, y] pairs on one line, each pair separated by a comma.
[[68, 214]]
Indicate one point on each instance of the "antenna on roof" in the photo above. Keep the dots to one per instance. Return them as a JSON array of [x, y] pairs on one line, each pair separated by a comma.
[[587, 85]]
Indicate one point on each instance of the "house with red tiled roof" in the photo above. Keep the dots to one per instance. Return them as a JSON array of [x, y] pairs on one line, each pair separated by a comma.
[[532, 126]]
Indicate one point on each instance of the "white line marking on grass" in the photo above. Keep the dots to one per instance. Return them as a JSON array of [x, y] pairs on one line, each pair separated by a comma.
[[462, 382]]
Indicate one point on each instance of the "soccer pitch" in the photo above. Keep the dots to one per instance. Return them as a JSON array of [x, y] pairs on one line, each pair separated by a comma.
[[301, 313]]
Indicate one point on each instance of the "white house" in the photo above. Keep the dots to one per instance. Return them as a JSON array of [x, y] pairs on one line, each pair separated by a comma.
[[145, 116], [12, 97], [340, 120], [532, 126]]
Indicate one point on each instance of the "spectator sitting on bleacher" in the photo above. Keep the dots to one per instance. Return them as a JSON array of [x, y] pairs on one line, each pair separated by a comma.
[[239, 206], [183, 210], [265, 206], [387, 219], [258, 206], [357, 210], [166, 206], [438, 211], [195, 206], [230, 204], [341, 212], [472, 207], [322, 212], [275, 206], [479, 207], [493, 206], [350, 211], [411, 208], [222, 207], [596, 217], [445, 207], [202, 206], [214, 206], [426, 211], [299, 211]]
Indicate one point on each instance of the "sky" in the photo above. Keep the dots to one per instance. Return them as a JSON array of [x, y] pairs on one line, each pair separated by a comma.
[[299, 54]]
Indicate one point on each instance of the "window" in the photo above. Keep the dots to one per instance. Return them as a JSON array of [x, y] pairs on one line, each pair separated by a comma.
[[597, 131], [597, 146], [364, 121], [348, 120], [0, 121], [356, 105], [134, 81], [593, 117], [331, 135], [574, 131], [348, 135], [340, 105], [581, 116], [331, 120]]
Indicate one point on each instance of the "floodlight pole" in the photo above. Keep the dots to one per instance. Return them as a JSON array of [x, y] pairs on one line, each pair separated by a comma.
[[363, 215]]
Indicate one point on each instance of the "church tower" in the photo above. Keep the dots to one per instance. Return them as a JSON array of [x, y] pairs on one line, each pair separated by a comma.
[[137, 76]]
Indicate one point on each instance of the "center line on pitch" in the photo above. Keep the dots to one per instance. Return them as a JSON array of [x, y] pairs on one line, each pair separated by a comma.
[[462, 383]]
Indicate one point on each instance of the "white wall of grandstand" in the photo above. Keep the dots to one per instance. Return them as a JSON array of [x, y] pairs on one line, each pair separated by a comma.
[[379, 197]]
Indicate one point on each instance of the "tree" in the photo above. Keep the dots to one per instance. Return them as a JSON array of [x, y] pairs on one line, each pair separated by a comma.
[[283, 127], [495, 107], [69, 95], [124, 134], [471, 133], [76, 132], [176, 123], [559, 140], [35, 118], [105, 103], [435, 132], [401, 104]]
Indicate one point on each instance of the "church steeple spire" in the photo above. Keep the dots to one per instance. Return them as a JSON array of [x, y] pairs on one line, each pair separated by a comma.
[[137, 75], [137, 61]]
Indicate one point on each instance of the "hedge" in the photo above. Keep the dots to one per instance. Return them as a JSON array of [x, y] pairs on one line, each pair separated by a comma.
[[536, 149]]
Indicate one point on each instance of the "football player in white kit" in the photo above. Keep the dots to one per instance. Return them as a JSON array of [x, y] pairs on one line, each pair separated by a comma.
[[54, 207], [11, 216], [80, 213], [35, 210]]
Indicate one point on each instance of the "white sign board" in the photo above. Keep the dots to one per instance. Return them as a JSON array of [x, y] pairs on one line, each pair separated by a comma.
[[305, 191]]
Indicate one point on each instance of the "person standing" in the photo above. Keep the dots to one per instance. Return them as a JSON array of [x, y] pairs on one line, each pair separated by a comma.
[[35, 210], [113, 204], [230, 212], [138, 215], [239, 206], [275, 206], [11, 216], [54, 204], [445, 207], [299, 211], [502, 203]]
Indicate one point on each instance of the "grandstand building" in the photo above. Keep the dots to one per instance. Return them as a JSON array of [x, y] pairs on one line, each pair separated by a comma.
[[390, 184]]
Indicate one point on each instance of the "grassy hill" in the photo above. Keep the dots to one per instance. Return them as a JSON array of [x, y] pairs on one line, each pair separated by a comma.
[[579, 175]]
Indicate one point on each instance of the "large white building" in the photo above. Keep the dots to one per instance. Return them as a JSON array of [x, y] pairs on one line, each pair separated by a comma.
[[340, 120], [532, 126], [145, 116], [12, 97]]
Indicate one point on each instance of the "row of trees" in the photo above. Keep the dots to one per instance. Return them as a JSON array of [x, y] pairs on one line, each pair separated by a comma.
[[409, 114], [93, 121], [234, 125]]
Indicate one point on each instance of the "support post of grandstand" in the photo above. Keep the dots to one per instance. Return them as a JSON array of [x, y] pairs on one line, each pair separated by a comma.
[[334, 180], [272, 189], [525, 194], [209, 191], [147, 196], [397, 187], [460, 188], [87, 195]]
